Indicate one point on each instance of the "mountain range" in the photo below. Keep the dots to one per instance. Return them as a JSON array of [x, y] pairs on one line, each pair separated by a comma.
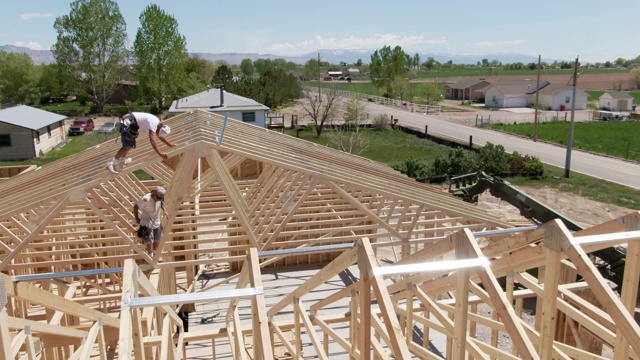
[[331, 56]]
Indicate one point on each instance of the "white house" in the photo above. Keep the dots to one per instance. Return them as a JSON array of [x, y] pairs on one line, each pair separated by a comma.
[[27, 132], [353, 72], [522, 93], [559, 97], [615, 101], [222, 102], [509, 93]]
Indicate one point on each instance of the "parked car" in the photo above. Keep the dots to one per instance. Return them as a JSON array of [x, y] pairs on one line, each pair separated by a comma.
[[81, 126], [108, 127]]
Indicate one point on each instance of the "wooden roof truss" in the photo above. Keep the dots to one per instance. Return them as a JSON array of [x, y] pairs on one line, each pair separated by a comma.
[[76, 282]]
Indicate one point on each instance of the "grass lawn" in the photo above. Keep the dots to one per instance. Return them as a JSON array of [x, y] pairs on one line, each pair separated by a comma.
[[614, 138], [386, 146], [394, 146]]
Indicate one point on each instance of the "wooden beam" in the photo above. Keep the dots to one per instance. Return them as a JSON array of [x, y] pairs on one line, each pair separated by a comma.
[[629, 288], [261, 338], [625, 322], [398, 342], [554, 237], [501, 304]]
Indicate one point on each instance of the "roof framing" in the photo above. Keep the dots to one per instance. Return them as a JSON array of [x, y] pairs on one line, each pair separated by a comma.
[[77, 283]]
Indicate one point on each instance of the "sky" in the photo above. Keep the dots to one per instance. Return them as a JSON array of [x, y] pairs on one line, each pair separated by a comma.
[[594, 31]]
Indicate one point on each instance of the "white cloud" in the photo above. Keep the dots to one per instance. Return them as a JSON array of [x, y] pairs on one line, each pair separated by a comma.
[[29, 16], [498, 43], [31, 45], [352, 42]]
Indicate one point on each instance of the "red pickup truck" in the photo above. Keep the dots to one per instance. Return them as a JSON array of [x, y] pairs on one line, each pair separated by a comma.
[[80, 126]]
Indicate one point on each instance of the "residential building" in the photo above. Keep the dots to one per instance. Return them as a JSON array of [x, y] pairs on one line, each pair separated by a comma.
[[466, 89], [615, 101], [522, 93], [558, 97], [221, 102], [27, 132]]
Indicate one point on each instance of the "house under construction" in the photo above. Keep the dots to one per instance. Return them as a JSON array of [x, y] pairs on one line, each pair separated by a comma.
[[277, 248]]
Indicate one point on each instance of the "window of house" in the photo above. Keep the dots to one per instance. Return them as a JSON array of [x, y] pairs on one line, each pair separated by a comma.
[[567, 99], [49, 130], [36, 136], [5, 140], [494, 98], [248, 116]]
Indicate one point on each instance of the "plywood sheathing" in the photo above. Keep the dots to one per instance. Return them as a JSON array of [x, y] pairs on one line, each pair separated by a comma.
[[260, 190]]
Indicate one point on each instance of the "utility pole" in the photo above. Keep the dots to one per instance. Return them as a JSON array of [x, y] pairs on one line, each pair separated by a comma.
[[567, 165], [535, 116], [319, 90]]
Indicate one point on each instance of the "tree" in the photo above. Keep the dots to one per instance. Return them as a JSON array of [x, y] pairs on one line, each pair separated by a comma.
[[359, 62], [312, 69], [416, 60], [400, 87], [18, 78], [246, 66], [262, 65], [321, 108], [199, 73], [52, 86], [91, 45], [161, 54], [635, 77], [223, 76], [273, 88], [386, 65], [429, 93], [350, 137], [429, 63]]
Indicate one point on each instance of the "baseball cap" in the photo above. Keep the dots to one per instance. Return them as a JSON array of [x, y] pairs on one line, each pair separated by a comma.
[[165, 130], [160, 192]]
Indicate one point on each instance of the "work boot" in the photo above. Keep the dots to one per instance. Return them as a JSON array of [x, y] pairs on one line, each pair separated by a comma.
[[123, 163], [112, 168]]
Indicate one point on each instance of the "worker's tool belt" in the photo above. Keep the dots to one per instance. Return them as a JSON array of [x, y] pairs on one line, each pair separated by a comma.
[[129, 127], [144, 233]]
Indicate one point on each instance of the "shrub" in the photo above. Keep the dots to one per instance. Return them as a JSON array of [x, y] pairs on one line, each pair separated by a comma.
[[493, 159], [413, 168], [381, 122], [456, 162]]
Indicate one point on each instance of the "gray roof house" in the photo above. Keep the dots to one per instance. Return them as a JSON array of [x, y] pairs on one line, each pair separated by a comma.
[[27, 132], [509, 93], [465, 89], [222, 102], [558, 97], [522, 93], [616, 101]]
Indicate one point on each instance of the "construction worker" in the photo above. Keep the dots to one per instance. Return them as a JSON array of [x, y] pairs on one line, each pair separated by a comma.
[[131, 125], [151, 206]]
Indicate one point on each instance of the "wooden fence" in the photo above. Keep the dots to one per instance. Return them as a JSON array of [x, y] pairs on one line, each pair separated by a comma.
[[409, 106]]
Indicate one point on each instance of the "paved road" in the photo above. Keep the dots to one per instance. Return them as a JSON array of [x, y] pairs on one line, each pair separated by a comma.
[[617, 171]]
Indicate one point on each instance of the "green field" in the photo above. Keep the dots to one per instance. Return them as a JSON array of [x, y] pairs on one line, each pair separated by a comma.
[[614, 138], [396, 146]]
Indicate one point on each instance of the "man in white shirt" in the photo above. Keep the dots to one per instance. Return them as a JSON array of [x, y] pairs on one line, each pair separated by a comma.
[[151, 207], [133, 124]]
